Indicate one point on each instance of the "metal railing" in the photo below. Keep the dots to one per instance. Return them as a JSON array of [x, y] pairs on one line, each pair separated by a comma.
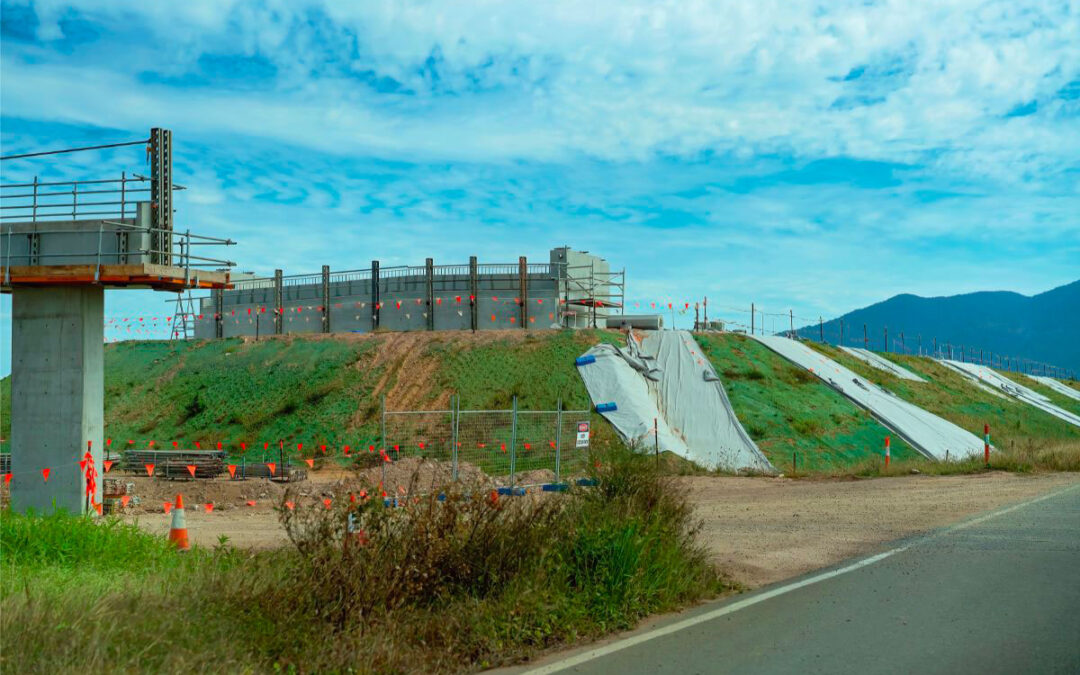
[[39, 201]]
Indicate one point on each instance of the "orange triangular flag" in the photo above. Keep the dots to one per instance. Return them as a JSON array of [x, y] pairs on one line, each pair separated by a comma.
[[108, 465], [191, 469], [273, 467], [125, 499], [290, 505], [326, 502], [168, 507], [82, 465], [45, 474], [232, 470], [149, 469], [310, 463], [208, 507], [7, 478]]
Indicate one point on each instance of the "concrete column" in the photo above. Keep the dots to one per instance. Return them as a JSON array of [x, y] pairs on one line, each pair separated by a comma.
[[57, 387]]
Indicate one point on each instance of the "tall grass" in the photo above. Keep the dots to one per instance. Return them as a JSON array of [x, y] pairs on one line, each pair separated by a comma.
[[438, 586]]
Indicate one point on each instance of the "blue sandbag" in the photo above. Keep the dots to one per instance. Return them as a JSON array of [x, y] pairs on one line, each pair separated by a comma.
[[555, 487], [606, 407], [584, 360], [588, 482]]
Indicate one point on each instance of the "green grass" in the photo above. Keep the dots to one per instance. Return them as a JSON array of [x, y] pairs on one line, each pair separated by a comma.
[[436, 587], [787, 410], [948, 394]]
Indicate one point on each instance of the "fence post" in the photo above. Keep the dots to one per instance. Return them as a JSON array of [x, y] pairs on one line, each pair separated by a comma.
[[326, 298], [513, 442], [429, 291], [454, 417], [279, 310], [385, 451], [558, 441], [474, 292], [523, 283], [375, 298]]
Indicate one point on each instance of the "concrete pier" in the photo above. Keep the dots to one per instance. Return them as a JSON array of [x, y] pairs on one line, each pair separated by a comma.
[[57, 387]]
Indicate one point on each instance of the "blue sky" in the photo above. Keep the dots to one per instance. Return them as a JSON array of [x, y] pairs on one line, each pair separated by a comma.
[[812, 156]]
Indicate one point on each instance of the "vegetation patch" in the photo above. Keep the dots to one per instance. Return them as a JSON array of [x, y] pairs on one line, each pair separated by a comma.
[[440, 585]]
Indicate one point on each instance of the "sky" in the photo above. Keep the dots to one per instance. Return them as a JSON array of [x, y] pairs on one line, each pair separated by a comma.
[[804, 156]]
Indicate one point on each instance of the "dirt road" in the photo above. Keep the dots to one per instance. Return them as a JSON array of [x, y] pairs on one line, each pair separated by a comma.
[[760, 530]]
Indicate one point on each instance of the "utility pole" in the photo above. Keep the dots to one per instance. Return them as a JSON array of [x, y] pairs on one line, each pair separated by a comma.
[[791, 317], [903, 348], [865, 340], [697, 317], [752, 312]]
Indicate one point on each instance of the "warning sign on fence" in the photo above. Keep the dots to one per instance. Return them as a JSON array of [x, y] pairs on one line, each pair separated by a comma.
[[582, 435]]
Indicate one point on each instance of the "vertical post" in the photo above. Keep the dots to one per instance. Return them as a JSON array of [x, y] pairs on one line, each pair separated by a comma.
[[656, 441], [123, 194], [821, 328], [697, 317], [986, 444], [887, 453], [279, 309], [474, 291], [752, 313], [429, 291], [326, 298], [558, 441], [791, 318], [865, 340], [219, 311], [258, 317], [704, 309], [903, 347], [523, 298], [455, 415], [375, 302], [385, 448], [513, 442], [34, 212]]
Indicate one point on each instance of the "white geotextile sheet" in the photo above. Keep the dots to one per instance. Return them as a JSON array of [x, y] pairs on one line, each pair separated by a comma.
[[1059, 387], [662, 379], [926, 432], [881, 363], [994, 380]]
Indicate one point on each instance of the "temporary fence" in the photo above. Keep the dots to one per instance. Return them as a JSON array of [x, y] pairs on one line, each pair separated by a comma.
[[502, 448]]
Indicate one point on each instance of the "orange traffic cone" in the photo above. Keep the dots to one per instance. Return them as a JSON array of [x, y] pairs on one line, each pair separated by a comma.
[[178, 532]]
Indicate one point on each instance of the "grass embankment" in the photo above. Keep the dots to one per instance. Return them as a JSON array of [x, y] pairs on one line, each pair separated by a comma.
[[787, 410], [434, 587], [1058, 399], [1027, 438], [318, 390]]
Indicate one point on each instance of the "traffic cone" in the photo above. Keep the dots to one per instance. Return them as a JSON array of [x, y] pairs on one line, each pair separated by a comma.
[[178, 532]]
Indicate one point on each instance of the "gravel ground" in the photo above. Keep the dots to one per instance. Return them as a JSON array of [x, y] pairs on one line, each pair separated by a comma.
[[760, 530]]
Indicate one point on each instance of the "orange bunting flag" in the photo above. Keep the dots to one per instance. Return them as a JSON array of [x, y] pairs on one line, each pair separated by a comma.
[[552, 444], [45, 474], [232, 470], [175, 444], [7, 478], [168, 507], [108, 441], [151, 444], [323, 448], [396, 449], [266, 446], [191, 469], [273, 468], [363, 494], [347, 452], [243, 446], [371, 448], [421, 445], [352, 498], [502, 446], [250, 502], [219, 445], [149, 469], [310, 463], [326, 503], [198, 445], [290, 505], [528, 447], [125, 499], [299, 447], [209, 507]]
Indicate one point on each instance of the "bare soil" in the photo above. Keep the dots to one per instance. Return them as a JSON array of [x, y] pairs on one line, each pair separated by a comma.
[[762, 530], [759, 530]]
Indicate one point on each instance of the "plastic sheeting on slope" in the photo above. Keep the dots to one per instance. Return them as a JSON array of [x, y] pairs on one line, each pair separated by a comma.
[[991, 378], [926, 432], [665, 378], [1059, 387], [882, 363]]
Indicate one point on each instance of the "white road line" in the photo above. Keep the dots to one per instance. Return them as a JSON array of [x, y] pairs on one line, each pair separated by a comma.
[[631, 641]]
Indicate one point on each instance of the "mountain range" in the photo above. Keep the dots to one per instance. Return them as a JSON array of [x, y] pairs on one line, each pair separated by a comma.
[[1035, 330]]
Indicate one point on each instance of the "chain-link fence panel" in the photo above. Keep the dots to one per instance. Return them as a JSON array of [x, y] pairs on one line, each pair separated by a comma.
[[417, 451], [576, 440], [485, 443]]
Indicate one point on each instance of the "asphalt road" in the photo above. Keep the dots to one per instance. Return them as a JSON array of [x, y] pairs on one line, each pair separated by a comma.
[[996, 594]]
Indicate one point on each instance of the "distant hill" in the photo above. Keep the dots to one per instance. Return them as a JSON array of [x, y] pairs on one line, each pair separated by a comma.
[[1042, 328]]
